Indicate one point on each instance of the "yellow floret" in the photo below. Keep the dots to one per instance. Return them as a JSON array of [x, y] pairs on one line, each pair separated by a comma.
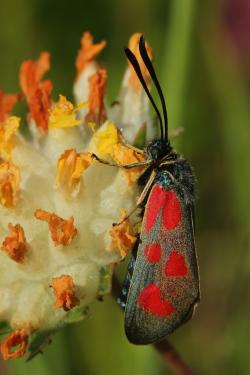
[[63, 113], [7, 129]]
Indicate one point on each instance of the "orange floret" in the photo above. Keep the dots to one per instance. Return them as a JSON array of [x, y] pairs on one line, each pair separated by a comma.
[[7, 130], [18, 338], [9, 184], [88, 52], [97, 89], [134, 47], [15, 244], [125, 155], [7, 102], [70, 167], [64, 290], [38, 94], [123, 236], [62, 231]]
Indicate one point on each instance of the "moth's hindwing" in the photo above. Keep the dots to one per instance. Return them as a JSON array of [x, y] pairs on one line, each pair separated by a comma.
[[165, 284]]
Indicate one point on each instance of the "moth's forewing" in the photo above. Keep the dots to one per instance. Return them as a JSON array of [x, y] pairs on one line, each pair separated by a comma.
[[165, 284]]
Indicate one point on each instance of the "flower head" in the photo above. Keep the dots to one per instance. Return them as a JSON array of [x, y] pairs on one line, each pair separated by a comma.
[[58, 201]]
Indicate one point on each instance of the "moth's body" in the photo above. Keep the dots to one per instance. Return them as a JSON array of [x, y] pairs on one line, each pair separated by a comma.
[[161, 288], [162, 284]]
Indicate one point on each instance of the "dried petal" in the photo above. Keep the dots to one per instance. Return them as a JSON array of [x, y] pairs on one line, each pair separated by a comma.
[[125, 155], [62, 231], [7, 102], [9, 184], [64, 290], [97, 90], [63, 113], [18, 338], [38, 94], [105, 139], [15, 244], [40, 104], [70, 167], [88, 52], [134, 47], [123, 236], [31, 73], [7, 129]]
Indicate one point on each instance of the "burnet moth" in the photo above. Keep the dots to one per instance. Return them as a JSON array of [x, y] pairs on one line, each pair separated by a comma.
[[161, 288]]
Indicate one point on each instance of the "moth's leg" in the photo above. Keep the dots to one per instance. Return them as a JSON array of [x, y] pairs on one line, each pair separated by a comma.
[[141, 197], [126, 166]]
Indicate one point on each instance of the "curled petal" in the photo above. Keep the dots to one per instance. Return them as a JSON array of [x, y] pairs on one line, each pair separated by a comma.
[[62, 231], [88, 52], [31, 73], [134, 47], [64, 289], [63, 114], [9, 184], [70, 168], [7, 130], [15, 244], [125, 155], [97, 90], [123, 236], [38, 94], [18, 338], [7, 102]]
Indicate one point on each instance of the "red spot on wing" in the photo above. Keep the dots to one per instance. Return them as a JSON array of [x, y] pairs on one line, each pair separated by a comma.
[[153, 253], [171, 212], [150, 300], [154, 204], [176, 265]]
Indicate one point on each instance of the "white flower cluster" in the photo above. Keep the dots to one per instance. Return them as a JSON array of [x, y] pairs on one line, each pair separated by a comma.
[[57, 203]]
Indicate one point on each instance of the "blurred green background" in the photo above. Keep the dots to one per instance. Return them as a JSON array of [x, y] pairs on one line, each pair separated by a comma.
[[202, 54]]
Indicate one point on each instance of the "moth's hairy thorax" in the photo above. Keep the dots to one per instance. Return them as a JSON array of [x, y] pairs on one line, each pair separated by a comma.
[[173, 172], [183, 180]]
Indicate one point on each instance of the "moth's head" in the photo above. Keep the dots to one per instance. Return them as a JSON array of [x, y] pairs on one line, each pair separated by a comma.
[[157, 149]]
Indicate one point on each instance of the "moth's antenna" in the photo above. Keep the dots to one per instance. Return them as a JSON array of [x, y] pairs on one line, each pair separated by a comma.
[[149, 66], [131, 57]]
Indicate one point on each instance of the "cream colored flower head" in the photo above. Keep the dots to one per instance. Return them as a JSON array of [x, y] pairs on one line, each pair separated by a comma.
[[57, 202]]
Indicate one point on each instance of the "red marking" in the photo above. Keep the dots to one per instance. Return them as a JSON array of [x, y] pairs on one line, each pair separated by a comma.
[[151, 301], [153, 253], [155, 202], [171, 212], [176, 265]]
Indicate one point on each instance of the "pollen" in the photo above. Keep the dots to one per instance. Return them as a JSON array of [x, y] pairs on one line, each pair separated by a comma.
[[37, 92], [7, 130], [88, 52], [63, 113], [126, 155], [70, 168], [64, 289], [15, 244], [62, 231], [134, 47], [7, 103], [17, 339], [9, 184], [97, 90], [123, 236]]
